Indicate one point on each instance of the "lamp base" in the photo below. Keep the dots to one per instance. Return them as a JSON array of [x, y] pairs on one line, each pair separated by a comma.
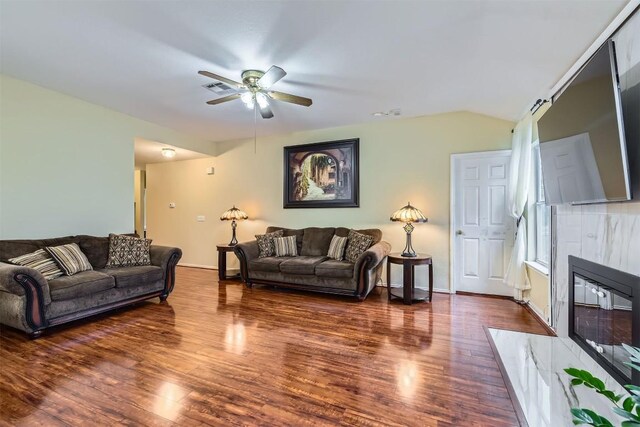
[[408, 249], [233, 241]]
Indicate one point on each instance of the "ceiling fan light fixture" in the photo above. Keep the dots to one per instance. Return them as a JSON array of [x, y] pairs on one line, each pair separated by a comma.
[[247, 98], [262, 100]]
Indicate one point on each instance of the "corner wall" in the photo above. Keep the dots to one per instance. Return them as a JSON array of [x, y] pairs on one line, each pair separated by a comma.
[[400, 160], [66, 166]]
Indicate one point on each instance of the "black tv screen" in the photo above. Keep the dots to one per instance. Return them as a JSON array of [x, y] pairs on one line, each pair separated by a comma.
[[582, 144]]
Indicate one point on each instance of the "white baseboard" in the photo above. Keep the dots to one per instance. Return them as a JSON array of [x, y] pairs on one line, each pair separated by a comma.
[[207, 267]]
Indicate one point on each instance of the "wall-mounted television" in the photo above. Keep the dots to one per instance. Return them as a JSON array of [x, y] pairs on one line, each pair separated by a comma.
[[582, 143]]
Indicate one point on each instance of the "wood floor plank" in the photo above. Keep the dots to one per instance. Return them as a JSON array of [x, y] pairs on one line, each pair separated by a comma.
[[217, 353]]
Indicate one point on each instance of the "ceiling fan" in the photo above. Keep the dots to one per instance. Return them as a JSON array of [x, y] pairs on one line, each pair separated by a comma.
[[254, 89]]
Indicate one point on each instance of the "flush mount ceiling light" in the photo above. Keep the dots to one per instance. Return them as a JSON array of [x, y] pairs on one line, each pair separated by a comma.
[[168, 153], [255, 89]]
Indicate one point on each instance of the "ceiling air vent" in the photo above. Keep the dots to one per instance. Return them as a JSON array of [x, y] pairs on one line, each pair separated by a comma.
[[219, 88]]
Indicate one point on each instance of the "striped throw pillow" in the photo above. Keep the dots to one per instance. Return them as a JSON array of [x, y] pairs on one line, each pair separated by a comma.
[[40, 261], [336, 248], [286, 246], [70, 258], [265, 243]]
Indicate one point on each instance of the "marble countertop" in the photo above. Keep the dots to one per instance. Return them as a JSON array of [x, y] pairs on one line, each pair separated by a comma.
[[535, 366]]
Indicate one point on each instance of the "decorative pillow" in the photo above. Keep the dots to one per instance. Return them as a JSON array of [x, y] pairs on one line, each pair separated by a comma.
[[266, 245], [40, 261], [127, 251], [286, 246], [69, 258], [336, 248], [357, 243]]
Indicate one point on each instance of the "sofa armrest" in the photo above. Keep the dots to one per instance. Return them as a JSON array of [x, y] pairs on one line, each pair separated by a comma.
[[31, 285], [246, 251], [167, 258], [370, 260]]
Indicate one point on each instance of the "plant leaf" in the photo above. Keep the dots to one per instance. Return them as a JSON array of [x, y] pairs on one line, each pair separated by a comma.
[[576, 381], [630, 424], [580, 416], [627, 415], [628, 404]]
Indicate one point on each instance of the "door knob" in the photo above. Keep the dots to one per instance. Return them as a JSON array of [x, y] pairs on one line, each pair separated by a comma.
[[459, 232]]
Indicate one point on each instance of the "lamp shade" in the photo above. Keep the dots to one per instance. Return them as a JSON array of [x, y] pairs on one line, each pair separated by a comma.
[[408, 214], [234, 214]]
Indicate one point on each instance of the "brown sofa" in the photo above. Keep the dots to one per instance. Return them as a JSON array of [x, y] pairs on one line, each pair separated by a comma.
[[312, 270], [32, 304]]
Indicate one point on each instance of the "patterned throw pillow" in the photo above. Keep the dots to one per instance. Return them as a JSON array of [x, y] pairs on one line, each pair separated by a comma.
[[357, 243], [286, 246], [40, 261], [266, 246], [336, 248], [128, 251], [70, 258]]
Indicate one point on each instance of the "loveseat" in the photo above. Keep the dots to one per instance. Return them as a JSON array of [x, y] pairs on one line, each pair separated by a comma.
[[32, 304], [313, 270]]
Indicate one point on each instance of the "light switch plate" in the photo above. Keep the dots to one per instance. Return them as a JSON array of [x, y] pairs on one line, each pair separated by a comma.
[[172, 205], [200, 218]]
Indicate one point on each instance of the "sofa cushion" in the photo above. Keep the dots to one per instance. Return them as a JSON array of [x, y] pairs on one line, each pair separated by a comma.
[[285, 246], [127, 251], [357, 243], [301, 264], [373, 232], [316, 241], [80, 285], [134, 276], [70, 258], [266, 264], [14, 248], [40, 261], [334, 268], [266, 246], [96, 249], [290, 232]]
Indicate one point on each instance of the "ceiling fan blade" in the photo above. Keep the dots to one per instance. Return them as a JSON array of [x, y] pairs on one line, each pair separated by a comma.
[[294, 99], [224, 99], [266, 112], [271, 77], [222, 79]]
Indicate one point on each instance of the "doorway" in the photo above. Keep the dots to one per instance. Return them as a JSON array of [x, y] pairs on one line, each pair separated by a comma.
[[482, 231]]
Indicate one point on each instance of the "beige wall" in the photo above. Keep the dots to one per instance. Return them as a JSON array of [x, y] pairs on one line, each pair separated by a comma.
[[66, 166], [539, 293], [138, 199], [400, 160]]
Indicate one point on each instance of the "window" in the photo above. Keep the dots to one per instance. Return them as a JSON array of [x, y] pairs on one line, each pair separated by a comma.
[[540, 215]]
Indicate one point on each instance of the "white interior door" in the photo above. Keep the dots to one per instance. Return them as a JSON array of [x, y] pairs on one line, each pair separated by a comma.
[[483, 230]]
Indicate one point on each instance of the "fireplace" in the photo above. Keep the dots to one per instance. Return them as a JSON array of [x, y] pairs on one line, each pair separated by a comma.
[[604, 313]]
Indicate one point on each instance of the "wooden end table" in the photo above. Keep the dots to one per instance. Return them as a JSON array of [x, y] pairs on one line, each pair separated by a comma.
[[222, 262], [408, 292]]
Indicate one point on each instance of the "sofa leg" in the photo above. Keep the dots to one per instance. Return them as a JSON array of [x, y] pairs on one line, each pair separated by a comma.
[[35, 334], [249, 284], [164, 297]]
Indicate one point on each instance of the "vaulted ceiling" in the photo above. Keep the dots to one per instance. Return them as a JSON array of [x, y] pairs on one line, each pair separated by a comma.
[[351, 57]]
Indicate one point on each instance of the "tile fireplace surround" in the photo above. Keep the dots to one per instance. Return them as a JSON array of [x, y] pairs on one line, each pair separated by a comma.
[[605, 234]]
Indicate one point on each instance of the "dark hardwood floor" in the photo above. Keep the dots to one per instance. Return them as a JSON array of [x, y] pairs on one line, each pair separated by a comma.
[[222, 354]]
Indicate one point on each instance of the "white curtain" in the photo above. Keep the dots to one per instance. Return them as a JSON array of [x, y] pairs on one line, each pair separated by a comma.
[[520, 171]]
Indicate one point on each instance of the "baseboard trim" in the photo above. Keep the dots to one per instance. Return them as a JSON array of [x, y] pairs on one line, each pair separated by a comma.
[[206, 267], [477, 294], [543, 323]]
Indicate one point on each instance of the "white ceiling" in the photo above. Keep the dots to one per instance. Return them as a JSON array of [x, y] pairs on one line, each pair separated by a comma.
[[352, 57], [147, 152]]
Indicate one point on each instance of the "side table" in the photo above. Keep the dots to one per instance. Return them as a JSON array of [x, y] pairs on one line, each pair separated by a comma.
[[408, 291], [222, 262]]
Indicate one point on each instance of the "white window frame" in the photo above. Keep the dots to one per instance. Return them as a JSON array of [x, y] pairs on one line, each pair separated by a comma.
[[534, 220]]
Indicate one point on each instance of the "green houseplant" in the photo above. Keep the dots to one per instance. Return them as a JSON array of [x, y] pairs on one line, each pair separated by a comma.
[[628, 408]]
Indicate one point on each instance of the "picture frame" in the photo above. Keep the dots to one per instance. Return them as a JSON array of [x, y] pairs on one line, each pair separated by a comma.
[[322, 175]]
